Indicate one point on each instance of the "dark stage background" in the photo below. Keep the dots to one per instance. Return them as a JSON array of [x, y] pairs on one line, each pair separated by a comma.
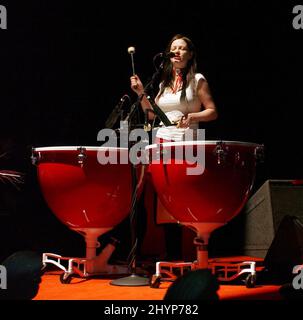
[[64, 66]]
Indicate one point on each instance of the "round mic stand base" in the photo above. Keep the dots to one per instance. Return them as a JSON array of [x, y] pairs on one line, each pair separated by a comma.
[[131, 281]]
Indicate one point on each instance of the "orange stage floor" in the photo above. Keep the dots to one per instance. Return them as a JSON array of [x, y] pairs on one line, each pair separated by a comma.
[[100, 289]]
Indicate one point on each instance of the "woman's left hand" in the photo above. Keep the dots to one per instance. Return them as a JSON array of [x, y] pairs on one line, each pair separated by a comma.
[[186, 121]]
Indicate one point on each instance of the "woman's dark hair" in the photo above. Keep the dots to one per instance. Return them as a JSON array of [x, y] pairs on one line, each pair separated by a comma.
[[188, 73]]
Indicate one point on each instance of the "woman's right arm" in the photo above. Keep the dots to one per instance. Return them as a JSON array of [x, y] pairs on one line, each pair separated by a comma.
[[137, 86]]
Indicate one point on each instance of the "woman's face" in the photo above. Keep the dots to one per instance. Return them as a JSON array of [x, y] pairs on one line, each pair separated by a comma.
[[182, 54]]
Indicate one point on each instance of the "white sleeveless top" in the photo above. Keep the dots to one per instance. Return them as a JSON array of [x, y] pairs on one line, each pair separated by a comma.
[[174, 109]]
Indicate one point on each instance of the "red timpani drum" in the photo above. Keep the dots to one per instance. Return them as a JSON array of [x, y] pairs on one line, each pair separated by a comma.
[[89, 189], [211, 186], [82, 192], [203, 184]]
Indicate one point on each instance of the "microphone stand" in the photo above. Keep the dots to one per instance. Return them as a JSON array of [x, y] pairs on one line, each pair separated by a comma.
[[134, 279], [158, 112]]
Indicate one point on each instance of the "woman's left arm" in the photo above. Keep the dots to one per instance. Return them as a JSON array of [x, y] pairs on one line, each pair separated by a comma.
[[210, 111]]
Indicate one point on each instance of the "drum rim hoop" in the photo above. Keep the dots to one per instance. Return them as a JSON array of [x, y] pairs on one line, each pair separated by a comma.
[[204, 142], [76, 148]]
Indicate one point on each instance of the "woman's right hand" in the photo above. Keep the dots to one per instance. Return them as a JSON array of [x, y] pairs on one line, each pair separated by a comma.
[[136, 85]]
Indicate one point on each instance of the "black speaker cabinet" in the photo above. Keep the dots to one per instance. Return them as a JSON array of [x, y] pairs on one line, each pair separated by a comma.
[[265, 210], [286, 250]]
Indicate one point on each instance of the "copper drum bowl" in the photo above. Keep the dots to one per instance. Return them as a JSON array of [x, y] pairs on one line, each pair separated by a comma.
[[203, 184], [87, 196]]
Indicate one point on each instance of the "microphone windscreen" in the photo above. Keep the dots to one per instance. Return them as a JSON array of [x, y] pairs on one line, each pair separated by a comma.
[[170, 54]]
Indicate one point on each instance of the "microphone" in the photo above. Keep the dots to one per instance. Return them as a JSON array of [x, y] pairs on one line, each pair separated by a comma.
[[122, 100], [167, 55], [113, 117]]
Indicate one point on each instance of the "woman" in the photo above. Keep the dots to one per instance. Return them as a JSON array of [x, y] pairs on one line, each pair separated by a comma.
[[185, 98], [183, 95]]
